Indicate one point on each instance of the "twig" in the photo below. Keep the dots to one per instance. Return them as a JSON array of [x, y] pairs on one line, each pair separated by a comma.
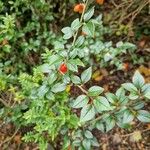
[[129, 134], [4, 103], [82, 89], [75, 37]]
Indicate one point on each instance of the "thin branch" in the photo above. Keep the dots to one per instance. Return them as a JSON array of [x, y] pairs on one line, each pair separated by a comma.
[[82, 89], [81, 19], [129, 134], [4, 103]]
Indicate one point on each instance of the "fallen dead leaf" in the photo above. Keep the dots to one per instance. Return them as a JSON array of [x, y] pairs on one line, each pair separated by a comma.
[[17, 139], [136, 136], [98, 75], [116, 139]]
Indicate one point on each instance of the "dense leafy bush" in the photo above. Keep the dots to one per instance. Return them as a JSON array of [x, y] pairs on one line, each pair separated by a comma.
[[42, 99]]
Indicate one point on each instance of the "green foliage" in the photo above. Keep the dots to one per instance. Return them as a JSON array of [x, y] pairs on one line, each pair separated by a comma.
[[42, 99]]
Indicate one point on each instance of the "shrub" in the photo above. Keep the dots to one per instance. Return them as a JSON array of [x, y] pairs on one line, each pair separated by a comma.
[[45, 103]]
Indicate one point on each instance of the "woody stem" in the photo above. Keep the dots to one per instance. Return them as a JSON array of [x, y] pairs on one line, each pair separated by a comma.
[[81, 19]]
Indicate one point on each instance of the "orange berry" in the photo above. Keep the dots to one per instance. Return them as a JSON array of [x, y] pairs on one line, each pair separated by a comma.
[[79, 8], [126, 66], [76, 8], [100, 2], [63, 68]]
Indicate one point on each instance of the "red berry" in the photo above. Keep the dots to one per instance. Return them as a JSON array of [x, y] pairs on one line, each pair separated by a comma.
[[63, 68], [126, 66], [79, 8]]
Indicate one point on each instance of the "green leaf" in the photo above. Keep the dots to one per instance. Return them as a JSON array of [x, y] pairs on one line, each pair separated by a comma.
[[87, 113], [138, 80], [75, 25], [88, 134], [89, 29], [86, 144], [146, 90], [100, 126], [54, 59], [94, 142], [42, 90], [80, 40], [86, 75], [45, 68], [139, 105], [66, 142], [50, 96], [76, 61], [75, 79], [133, 96], [111, 97], [58, 87], [67, 32], [122, 98], [51, 78], [89, 14], [120, 92], [143, 116], [129, 87], [80, 102], [110, 123], [102, 104], [77, 142], [127, 117], [72, 67], [95, 91]]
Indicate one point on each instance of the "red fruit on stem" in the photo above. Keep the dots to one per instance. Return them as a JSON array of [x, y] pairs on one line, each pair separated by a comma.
[[126, 66], [79, 8], [63, 68]]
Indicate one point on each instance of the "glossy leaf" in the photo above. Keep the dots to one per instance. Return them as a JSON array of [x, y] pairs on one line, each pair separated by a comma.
[[102, 104], [143, 116], [89, 14], [80, 102], [86, 75], [87, 113], [138, 79], [95, 91]]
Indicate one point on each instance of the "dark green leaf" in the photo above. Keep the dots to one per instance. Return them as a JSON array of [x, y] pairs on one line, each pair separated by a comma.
[[89, 29], [58, 87], [75, 79], [87, 113], [138, 79], [79, 41], [80, 102], [95, 91], [127, 116], [75, 25], [86, 144], [143, 116], [146, 90], [86, 75], [102, 104], [129, 87], [88, 134], [89, 14]]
